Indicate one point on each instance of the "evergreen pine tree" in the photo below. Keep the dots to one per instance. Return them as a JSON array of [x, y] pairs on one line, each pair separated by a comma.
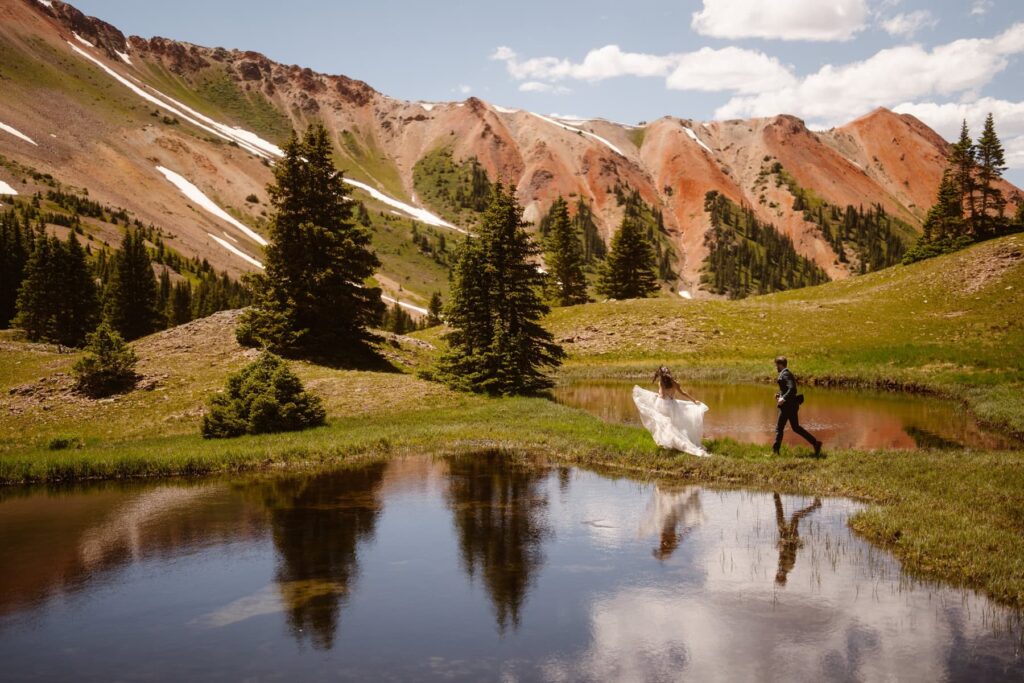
[[312, 296], [963, 162], [629, 271], [130, 304], [991, 161], [434, 310], [57, 300], [14, 254], [163, 300], [108, 366], [564, 258], [179, 308], [497, 344]]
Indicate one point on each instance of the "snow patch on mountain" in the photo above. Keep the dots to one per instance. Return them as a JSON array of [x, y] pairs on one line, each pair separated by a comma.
[[7, 189], [405, 305], [235, 250], [247, 140], [196, 195], [575, 129], [17, 133], [422, 215], [124, 57], [82, 40], [503, 110], [45, 3], [693, 136]]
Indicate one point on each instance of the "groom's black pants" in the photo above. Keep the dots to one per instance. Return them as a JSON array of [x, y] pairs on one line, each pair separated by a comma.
[[788, 413]]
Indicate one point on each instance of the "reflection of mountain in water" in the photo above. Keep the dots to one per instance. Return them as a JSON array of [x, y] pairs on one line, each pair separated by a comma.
[[500, 512], [317, 524], [671, 515]]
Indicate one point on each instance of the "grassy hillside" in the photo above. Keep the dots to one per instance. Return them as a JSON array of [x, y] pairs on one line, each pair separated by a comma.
[[953, 324]]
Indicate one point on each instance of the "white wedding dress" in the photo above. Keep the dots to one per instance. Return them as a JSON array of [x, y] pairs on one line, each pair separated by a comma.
[[678, 425]]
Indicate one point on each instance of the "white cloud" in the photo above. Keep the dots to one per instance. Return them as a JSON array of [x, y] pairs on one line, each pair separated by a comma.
[[464, 89], [981, 7], [730, 68], [910, 23], [900, 74], [946, 117], [539, 86], [782, 19]]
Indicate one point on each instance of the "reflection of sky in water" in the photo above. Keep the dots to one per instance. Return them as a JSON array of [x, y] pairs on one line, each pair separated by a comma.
[[573, 577]]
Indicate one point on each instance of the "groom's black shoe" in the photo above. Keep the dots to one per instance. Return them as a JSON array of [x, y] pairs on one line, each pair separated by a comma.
[[817, 449]]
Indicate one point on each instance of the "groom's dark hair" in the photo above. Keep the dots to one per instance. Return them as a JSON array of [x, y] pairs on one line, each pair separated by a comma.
[[781, 360]]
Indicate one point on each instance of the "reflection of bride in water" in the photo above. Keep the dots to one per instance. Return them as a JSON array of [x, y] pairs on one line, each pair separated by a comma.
[[672, 515], [674, 418]]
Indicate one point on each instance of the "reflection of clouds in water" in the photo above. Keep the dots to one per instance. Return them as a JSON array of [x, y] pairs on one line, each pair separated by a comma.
[[845, 613], [271, 599]]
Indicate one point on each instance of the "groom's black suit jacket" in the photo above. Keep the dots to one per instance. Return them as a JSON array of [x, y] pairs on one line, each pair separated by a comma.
[[787, 389]]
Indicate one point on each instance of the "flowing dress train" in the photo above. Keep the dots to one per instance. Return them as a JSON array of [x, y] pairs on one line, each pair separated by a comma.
[[678, 425]]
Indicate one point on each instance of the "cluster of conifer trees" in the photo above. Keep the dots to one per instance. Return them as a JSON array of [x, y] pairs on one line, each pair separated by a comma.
[[450, 187], [970, 205], [748, 257], [57, 291]]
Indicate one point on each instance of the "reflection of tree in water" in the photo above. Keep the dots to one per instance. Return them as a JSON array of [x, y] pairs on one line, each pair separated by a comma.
[[500, 517], [672, 515], [317, 523], [789, 536]]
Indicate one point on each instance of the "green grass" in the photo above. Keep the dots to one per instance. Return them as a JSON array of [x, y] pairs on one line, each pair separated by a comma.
[[362, 159], [951, 325]]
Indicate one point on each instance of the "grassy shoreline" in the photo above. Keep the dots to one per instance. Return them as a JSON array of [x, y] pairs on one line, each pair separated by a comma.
[[916, 504]]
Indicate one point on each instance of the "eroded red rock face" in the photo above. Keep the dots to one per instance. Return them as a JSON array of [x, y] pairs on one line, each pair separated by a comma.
[[881, 158]]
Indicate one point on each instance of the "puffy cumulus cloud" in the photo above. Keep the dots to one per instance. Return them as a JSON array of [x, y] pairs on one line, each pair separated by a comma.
[[900, 74], [781, 19], [910, 23], [730, 68], [981, 7], [464, 89], [606, 62], [946, 118]]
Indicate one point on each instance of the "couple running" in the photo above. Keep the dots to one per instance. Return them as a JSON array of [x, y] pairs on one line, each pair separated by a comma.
[[676, 420]]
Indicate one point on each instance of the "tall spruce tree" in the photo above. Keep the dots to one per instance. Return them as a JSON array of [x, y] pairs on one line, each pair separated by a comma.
[[130, 304], [57, 301], [312, 297], [962, 160], [15, 248], [564, 258], [630, 269], [991, 162], [435, 309], [497, 344]]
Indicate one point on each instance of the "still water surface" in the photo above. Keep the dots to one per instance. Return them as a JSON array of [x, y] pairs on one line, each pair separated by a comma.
[[839, 417], [472, 568]]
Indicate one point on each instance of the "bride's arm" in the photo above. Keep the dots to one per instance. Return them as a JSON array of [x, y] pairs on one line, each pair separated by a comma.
[[680, 390]]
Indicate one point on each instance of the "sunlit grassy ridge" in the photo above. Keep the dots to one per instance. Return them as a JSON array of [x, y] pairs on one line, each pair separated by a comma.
[[953, 325]]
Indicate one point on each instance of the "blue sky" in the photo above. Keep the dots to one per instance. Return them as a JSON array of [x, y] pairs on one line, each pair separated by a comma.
[[826, 61]]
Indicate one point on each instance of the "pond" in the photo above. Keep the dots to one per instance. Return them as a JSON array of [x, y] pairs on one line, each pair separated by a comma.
[[842, 418], [469, 568]]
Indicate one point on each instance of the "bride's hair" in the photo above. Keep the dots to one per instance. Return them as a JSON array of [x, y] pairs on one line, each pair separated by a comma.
[[664, 376]]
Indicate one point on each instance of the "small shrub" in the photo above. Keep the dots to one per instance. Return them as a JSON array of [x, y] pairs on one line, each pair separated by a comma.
[[108, 366], [63, 443], [252, 199], [263, 397]]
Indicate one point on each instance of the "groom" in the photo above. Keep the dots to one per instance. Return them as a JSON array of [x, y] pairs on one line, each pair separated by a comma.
[[789, 405]]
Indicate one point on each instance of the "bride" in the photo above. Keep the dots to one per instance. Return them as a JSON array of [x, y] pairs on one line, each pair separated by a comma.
[[673, 417]]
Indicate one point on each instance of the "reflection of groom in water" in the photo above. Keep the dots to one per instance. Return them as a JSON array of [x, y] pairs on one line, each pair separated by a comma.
[[789, 536], [789, 407]]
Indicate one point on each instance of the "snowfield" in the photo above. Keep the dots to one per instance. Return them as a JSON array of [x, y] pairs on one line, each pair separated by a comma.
[[235, 250], [574, 129], [17, 133], [7, 189], [408, 306], [422, 215], [247, 140], [124, 57], [693, 136], [82, 40], [196, 195]]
